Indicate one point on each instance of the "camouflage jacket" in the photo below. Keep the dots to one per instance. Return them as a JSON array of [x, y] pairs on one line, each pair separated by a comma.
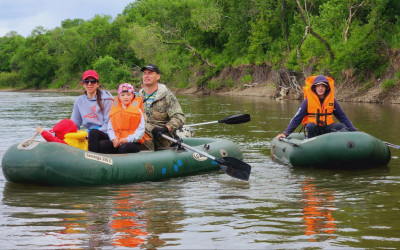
[[164, 110]]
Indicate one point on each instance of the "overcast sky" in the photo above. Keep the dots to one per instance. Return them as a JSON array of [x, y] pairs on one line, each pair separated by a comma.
[[23, 16]]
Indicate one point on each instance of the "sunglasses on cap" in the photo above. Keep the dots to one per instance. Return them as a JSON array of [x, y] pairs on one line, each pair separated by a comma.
[[92, 81]]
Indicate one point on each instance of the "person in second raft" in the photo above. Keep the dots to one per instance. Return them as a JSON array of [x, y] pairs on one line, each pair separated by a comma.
[[318, 108], [127, 124], [92, 109]]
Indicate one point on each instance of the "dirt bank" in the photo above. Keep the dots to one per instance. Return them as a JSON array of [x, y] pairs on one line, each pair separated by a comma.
[[281, 84], [284, 84]]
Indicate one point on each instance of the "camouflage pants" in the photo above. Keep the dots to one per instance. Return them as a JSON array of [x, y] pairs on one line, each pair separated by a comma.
[[158, 143]]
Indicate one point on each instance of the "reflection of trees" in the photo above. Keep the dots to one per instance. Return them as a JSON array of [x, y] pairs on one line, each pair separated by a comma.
[[317, 210]]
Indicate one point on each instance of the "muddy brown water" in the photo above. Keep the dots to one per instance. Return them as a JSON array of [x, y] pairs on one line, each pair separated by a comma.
[[279, 207]]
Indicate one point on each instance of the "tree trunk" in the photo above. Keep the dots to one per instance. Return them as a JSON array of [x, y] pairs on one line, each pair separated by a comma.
[[351, 14], [307, 29], [285, 32]]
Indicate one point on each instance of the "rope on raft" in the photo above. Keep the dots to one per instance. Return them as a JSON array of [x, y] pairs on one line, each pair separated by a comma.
[[29, 142]]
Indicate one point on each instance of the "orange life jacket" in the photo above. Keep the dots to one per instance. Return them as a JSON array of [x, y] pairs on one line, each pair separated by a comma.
[[126, 121], [320, 114]]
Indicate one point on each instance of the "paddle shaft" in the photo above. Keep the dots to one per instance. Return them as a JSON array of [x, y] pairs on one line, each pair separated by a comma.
[[233, 119], [198, 124], [289, 141], [392, 145], [189, 147]]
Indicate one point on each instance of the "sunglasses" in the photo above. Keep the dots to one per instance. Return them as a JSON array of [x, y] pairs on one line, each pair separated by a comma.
[[92, 81]]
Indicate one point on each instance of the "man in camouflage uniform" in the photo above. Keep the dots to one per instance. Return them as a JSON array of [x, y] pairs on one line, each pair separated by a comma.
[[163, 111]]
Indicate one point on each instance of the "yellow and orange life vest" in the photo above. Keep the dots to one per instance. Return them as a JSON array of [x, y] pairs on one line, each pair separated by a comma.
[[126, 121], [320, 114]]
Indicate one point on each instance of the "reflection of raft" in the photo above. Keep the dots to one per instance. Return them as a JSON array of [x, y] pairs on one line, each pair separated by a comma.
[[346, 149], [59, 164]]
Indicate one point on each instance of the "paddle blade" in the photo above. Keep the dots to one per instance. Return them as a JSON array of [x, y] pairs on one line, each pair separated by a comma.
[[234, 167], [236, 119]]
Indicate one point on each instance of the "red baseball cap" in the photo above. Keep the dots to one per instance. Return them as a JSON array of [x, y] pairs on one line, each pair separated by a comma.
[[89, 73]]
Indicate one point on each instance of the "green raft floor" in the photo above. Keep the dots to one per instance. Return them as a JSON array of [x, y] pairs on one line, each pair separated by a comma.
[[337, 149], [58, 164]]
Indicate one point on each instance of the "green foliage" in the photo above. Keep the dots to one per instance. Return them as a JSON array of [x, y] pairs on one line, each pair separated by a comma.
[[213, 84], [10, 80], [183, 37], [8, 46], [111, 73], [366, 85], [229, 83], [202, 81], [247, 78], [389, 84]]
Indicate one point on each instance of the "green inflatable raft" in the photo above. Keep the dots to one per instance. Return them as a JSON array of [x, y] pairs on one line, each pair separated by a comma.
[[58, 164], [339, 149]]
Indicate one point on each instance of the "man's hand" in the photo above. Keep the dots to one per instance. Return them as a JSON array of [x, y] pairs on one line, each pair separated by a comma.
[[157, 130]]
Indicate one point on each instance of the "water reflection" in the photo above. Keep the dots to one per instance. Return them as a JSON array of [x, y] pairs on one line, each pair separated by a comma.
[[128, 227], [317, 209], [120, 216]]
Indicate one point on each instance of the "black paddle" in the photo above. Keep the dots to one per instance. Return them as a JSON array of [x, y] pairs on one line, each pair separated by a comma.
[[230, 165], [233, 119]]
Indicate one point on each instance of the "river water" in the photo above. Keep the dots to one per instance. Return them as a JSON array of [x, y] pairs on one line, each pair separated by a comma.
[[279, 207]]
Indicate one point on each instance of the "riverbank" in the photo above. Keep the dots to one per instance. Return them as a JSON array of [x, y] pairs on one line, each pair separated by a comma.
[[281, 84]]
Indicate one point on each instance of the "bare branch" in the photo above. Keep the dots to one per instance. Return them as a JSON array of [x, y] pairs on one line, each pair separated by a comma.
[[193, 50], [307, 29], [307, 21], [351, 15]]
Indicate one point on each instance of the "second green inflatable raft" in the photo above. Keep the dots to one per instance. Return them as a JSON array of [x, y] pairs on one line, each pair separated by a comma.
[[339, 149]]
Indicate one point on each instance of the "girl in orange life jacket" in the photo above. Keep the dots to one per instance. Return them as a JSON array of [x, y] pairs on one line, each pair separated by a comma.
[[317, 110], [127, 125]]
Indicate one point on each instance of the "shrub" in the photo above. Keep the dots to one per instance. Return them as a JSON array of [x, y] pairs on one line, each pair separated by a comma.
[[247, 79], [10, 80], [388, 84], [213, 84], [366, 86], [229, 82]]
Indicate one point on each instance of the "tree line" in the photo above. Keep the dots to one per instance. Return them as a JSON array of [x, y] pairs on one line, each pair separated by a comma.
[[202, 37]]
